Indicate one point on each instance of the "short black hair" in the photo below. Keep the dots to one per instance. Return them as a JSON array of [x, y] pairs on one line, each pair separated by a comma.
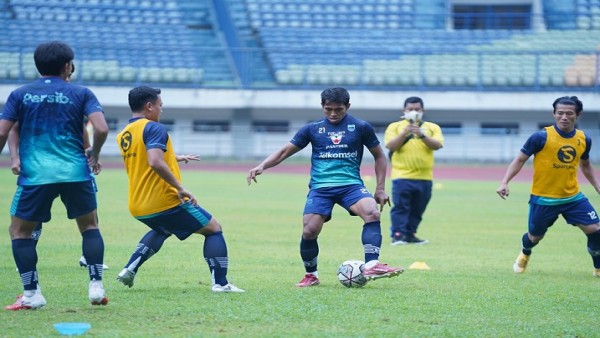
[[335, 95], [570, 101], [414, 99], [141, 95], [51, 57]]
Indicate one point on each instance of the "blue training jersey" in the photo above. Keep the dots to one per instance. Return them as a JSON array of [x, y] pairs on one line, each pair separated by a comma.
[[50, 112], [337, 150]]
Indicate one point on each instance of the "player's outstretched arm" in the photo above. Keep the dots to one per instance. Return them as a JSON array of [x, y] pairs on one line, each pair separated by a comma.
[[513, 169], [186, 158], [157, 162], [588, 171], [271, 161]]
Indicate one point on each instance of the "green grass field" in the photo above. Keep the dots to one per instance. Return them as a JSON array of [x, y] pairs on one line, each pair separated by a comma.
[[470, 290]]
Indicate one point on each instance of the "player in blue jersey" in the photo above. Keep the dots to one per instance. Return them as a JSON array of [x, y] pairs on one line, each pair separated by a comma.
[[337, 144], [50, 113], [558, 151], [15, 167]]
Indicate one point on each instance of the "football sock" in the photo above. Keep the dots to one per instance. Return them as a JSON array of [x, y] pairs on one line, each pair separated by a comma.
[[92, 247], [593, 244], [309, 250], [215, 254], [26, 259], [527, 244], [371, 240], [146, 248], [37, 232]]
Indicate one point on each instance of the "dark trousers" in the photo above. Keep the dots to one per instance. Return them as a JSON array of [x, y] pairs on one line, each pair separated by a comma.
[[410, 199]]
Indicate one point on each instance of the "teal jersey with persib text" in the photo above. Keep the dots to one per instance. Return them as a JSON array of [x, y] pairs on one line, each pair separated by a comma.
[[337, 150], [50, 112]]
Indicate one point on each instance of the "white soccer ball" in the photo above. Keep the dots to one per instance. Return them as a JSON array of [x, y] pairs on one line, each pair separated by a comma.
[[350, 274]]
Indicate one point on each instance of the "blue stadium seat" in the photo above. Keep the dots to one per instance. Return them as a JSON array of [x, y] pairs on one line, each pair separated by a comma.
[[114, 30], [288, 42]]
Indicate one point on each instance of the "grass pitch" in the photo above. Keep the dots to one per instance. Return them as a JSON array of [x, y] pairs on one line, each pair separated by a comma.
[[470, 290]]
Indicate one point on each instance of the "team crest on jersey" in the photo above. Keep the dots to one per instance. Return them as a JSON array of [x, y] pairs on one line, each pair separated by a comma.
[[125, 141], [336, 138], [351, 127], [566, 154]]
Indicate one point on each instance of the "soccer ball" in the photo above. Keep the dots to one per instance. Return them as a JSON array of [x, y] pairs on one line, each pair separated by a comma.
[[350, 274]]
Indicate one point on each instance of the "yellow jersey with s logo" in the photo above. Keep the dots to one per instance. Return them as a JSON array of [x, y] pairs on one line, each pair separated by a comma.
[[148, 193], [555, 166]]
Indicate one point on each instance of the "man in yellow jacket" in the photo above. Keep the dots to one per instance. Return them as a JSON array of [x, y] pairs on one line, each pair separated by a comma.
[[411, 142]]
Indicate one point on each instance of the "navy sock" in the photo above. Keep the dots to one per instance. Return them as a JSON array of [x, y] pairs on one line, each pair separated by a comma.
[[593, 244], [92, 246], [309, 251], [215, 254], [37, 232], [371, 240], [527, 244], [26, 259], [146, 248]]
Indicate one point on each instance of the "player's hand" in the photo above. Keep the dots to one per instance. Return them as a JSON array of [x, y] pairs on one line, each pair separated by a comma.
[[186, 196], [252, 175], [15, 166], [382, 199], [97, 168], [503, 191], [92, 157], [186, 158]]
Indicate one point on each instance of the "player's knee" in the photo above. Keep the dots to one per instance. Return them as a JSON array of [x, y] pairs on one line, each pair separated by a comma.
[[590, 229], [593, 244], [594, 253], [372, 215], [211, 228], [535, 239], [310, 231]]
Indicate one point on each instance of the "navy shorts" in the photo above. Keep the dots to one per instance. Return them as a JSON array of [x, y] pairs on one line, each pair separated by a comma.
[[34, 202], [181, 221], [321, 201], [541, 217]]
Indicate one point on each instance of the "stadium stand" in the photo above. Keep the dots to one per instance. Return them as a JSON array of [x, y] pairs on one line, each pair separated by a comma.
[[377, 44], [416, 50], [165, 41]]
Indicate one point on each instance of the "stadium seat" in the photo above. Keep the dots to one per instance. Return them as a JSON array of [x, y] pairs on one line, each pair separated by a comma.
[[411, 41], [112, 26]]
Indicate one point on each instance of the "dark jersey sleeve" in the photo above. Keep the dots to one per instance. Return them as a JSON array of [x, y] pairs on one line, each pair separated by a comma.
[[534, 143], [156, 136]]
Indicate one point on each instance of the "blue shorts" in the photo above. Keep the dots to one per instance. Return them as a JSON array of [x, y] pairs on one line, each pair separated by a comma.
[[181, 221], [34, 202], [321, 201], [541, 217]]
